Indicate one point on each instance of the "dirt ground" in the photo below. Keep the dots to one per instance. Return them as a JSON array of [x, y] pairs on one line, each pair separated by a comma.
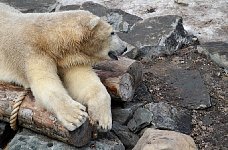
[[210, 125]]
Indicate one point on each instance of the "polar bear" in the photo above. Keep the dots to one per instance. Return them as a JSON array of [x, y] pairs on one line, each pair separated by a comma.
[[53, 54]]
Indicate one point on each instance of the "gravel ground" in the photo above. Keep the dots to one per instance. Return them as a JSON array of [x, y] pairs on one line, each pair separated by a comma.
[[210, 125]]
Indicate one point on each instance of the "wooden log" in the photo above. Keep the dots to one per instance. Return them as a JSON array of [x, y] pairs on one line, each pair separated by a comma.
[[121, 77], [39, 120]]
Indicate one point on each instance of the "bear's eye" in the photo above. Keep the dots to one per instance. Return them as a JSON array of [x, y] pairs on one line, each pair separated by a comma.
[[112, 33]]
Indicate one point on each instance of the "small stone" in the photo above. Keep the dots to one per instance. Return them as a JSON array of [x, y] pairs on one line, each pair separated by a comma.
[[128, 138], [141, 118], [162, 139], [207, 120], [204, 128]]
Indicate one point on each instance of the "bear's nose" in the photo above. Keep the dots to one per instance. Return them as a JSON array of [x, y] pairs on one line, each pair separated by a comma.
[[113, 55]]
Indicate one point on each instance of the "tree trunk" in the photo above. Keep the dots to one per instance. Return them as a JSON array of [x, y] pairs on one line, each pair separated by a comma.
[[121, 77]]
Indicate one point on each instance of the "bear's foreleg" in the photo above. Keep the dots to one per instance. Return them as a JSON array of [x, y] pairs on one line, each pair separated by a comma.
[[50, 93], [85, 86]]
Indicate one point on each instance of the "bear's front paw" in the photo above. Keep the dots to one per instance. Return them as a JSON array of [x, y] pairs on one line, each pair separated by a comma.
[[100, 114], [70, 113]]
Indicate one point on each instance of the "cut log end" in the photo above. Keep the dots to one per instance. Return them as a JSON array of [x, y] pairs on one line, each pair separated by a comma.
[[126, 87], [120, 77], [120, 87]]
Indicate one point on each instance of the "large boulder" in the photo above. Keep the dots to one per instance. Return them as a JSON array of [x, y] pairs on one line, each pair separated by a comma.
[[163, 139], [158, 36]]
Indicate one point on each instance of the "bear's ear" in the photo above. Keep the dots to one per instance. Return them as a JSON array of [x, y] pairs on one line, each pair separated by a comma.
[[93, 22]]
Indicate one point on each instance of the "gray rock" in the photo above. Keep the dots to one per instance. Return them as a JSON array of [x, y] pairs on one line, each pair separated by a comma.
[[142, 94], [31, 5], [191, 89], [207, 120], [166, 116], [109, 142], [2, 127], [104, 144], [120, 20], [6, 134], [122, 115], [128, 138], [28, 140], [133, 105], [158, 35], [141, 118], [217, 51], [68, 7]]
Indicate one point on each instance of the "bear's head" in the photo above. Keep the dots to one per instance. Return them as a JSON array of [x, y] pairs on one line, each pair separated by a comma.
[[76, 37], [102, 43]]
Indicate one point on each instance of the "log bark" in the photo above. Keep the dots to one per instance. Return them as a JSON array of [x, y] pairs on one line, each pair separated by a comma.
[[121, 77], [38, 119]]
